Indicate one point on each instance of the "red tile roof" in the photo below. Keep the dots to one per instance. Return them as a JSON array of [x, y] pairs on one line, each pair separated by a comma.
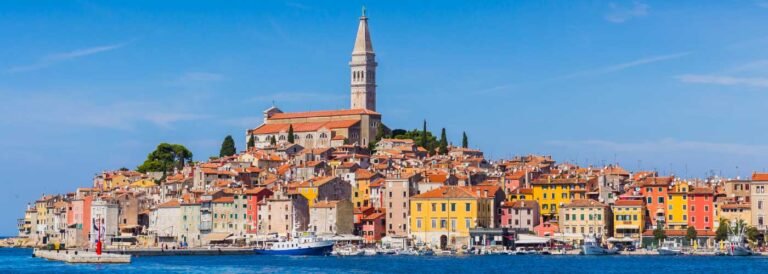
[[322, 113], [759, 176], [303, 127]]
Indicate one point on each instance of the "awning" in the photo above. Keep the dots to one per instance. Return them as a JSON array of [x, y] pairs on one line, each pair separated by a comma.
[[620, 240], [530, 239], [216, 236], [234, 238]]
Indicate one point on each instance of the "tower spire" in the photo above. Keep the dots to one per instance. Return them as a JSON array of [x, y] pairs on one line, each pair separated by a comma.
[[363, 68]]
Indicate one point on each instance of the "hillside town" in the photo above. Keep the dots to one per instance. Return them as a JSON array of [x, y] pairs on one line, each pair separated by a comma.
[[345, 175]]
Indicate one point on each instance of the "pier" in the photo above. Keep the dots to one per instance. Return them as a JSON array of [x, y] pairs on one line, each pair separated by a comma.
[[77, 256]]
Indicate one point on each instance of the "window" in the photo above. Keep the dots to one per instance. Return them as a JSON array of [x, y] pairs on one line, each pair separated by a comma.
[[434, 207], [693, 219], [418, 207], [685, 217], [453, 207], [434, 223], [661, 200], [467, 207], [418, 223], [453, 224], [650, 201], [693, 208], [442, 207], [468, 222], [582, 217], [443, 223], [706, 208], [670, 217], [567, 218]]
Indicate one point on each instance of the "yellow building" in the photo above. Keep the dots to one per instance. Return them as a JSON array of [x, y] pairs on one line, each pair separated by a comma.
[[442, 218], [361, 189], [324, 188], [628, 219], [554, 193], [520, 194], [584, 217], [677, 206]]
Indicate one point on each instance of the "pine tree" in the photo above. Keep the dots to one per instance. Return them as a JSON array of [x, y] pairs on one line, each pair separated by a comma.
[[443, 143], [290, 134], [251, 142], [464, 140], [227, 147], [721, 234]]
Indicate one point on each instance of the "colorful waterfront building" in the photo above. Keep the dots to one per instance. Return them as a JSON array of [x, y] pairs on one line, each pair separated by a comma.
[[554, 193], [324, 188], [442, 218], [374, 226], [585, 217], [701, 211], [677, 206], [520, 215], [628, 219], [254, 196], [655, 190]]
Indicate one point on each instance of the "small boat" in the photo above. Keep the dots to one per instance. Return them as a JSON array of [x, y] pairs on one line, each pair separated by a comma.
[[407, 252], [670, 248], [426, 252], [300, 244], [592, 247], [348, 251], [370, 252], [736, 244], [523, 251]]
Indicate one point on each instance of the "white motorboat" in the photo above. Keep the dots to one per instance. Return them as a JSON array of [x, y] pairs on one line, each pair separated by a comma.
[[670, 248], [737, 244], [592, 247]]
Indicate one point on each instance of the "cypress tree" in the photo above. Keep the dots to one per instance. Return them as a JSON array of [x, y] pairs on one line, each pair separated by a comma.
[[443, 143], [272, 140], [251, 142], [227, 147], [290, 133], [424, 135], [464, 140]]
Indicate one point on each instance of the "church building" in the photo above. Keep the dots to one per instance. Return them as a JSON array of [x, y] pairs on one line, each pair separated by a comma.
[[331, 128]]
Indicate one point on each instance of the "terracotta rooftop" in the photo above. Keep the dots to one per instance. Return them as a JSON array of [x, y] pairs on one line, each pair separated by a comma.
[[303, 127], [322, 113], [584, 203]]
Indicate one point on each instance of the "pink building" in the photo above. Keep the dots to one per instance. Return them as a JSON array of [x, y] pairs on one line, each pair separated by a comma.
[[520, 214], [546, 229], [374, 227]]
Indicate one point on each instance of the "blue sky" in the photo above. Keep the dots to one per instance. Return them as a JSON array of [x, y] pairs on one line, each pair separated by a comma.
[[676, 86]]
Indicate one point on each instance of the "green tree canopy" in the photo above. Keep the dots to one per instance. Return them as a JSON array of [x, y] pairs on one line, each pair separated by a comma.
[[721, 234], [165, 158], [464, 140], [416, 136], [659, 233], [290, 133], [228, 147], [690, 234], [443, 145]]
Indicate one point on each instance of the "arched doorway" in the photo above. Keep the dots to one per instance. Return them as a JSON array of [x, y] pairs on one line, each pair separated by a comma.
[[443, 241]]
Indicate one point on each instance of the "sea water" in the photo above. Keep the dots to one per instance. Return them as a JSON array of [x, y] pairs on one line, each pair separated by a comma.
[[20, 260]]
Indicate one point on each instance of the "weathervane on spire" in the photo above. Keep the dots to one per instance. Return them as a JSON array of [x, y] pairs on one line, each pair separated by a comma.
[[363, 10]]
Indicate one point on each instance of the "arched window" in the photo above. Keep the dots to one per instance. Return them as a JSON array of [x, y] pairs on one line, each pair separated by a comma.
[[282, 137], [309, 136], [255, 138], [323, 135], [296, 136]]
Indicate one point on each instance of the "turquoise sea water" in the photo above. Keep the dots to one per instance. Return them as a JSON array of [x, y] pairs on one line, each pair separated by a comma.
[[20, 260]]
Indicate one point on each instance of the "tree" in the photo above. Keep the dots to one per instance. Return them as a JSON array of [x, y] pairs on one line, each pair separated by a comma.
[[380, 134], [443, 143], [251, 142], [290, 133], [659, 233], [272, 140], [227, 147], [418, 138], [424, 134], [464, 140], [165, 158], [398, 131], [690, 234], [752, 233], [721, 234]]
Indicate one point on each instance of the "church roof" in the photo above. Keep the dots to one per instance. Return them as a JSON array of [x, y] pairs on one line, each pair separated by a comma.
[[363, 40], [304, 127], [322, 113]]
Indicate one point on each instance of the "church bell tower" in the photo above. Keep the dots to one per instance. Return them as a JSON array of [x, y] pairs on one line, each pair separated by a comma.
[[363, 69]]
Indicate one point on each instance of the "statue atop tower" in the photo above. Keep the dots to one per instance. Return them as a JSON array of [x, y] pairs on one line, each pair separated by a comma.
[[363, 69]]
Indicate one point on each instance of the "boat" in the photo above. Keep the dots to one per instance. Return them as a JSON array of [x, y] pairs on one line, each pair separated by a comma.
[[370, 252], [426, 252], [347, 250], [524, 251], [737, 244], [408, 252], [299, 244], [592, 247], [670, 248]]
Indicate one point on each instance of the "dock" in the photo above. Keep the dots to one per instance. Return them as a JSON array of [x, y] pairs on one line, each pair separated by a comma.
[[79, 256], [183, 252]]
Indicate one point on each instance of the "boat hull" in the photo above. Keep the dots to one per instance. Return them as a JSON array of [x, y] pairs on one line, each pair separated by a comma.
[[594, 250], [669, 252], [739, 251], [319, 250]]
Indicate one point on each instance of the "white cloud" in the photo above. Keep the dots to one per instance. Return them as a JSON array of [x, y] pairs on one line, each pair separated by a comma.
[[757, 82], [620, 14], [55, 58], [630, 64], [60, 110], [669, 146]]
